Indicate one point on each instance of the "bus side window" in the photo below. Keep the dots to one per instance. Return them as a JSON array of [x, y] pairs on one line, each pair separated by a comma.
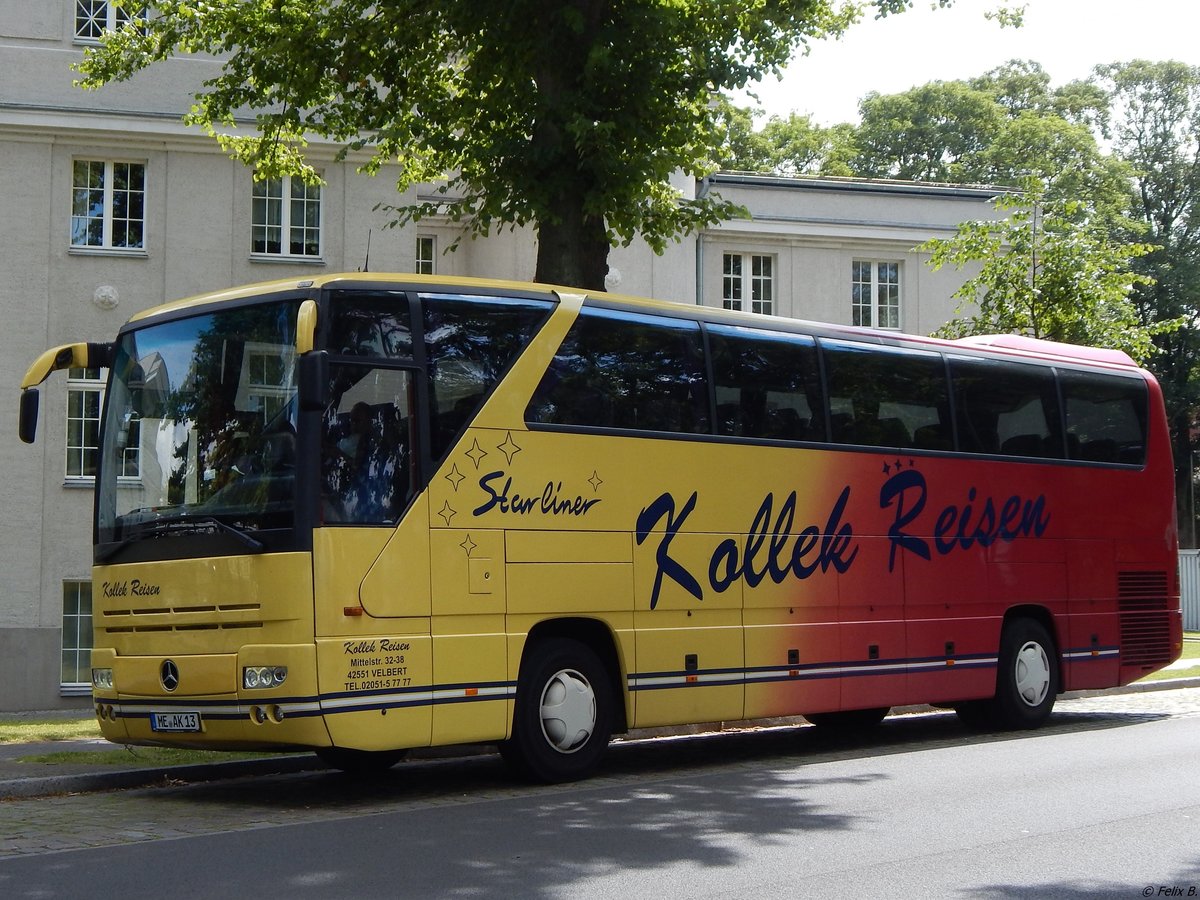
[[469, 344], [626, 371], [370, 323], [1106, 417], [767, 383], [1006, 408], [887, 396]]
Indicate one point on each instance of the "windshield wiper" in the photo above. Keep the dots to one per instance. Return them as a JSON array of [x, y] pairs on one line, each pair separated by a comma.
[[182, 524]]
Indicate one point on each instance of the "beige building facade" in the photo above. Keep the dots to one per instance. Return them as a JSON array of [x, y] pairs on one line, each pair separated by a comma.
[[108, 206]]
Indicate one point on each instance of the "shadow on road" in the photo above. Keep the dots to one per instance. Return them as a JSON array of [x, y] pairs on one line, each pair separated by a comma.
[[657, 804]]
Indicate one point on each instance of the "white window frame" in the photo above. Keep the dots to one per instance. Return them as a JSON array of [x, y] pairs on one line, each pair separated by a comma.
[[425, 254], [100, 204], [76, 624], [259, 389], [748, 275], [95, 18], [82, 386], [83, 383], [275, 203], [876, 294]]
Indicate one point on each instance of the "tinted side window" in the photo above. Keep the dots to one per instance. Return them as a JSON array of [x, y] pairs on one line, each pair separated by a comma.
[[1006, 408], [370, 323], [768, 385], [887, 397], [617, 369], [1106, 417], [470, 342]]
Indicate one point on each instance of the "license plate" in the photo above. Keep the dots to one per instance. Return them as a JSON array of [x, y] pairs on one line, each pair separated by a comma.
[[174, 721]]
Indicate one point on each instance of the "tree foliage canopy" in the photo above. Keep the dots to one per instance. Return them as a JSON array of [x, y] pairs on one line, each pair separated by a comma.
[[570, 116], [1047, 270]]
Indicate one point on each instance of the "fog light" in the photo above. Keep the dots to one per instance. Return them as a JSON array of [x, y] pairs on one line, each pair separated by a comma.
[[256, 678], [102, 679]]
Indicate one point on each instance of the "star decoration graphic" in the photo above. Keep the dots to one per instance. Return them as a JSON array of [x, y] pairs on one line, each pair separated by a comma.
[[447, 512], [455, 477], [509, 448], [476, 453], [468, 545], [595, 481]]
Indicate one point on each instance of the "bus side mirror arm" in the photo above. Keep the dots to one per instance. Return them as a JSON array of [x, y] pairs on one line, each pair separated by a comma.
[[314, 381], [68, 356]]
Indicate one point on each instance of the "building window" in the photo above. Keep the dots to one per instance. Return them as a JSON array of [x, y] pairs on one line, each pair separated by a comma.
[[426, 247], [875, 294], [750, 276], [95, 17], [77, 637], [108, 201], [286, 218], [85, 399], [85, 393]]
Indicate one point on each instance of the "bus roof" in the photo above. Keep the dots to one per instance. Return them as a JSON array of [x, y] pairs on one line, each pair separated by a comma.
[[1008, 344]]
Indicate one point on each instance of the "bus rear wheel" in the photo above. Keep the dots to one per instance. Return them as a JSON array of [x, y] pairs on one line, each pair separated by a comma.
[[1027, 681], [564, 713]]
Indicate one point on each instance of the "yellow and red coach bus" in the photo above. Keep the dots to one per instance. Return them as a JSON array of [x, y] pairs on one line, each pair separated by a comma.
[[363, 513]]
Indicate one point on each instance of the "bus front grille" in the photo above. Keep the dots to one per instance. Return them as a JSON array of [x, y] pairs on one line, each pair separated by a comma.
[[217, 617]]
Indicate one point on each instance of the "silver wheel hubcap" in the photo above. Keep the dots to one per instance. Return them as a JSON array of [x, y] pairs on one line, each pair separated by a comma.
[[1032, 673], [568, 711]]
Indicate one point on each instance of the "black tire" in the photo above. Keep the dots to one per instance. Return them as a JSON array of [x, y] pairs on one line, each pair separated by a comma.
[[975, 714], [360, 763], [1027, 682], [849, 719], [564, 713]]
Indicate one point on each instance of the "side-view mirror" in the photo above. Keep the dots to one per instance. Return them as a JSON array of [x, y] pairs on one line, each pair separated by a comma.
[[27, 428], [314, 381]]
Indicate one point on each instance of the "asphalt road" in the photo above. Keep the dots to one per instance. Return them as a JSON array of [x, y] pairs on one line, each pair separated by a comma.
[[1104, 802]]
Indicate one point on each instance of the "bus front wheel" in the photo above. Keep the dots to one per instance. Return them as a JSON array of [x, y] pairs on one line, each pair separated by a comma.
[[564, 713]]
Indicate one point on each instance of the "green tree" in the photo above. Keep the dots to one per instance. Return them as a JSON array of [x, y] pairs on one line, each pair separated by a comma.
[[1046, 270], [799, 146], [1000, 128], [1154, 124], [935, 132], [795, 145], [569, 115]]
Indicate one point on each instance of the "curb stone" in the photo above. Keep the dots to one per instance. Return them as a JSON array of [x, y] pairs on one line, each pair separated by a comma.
[[125, 779]]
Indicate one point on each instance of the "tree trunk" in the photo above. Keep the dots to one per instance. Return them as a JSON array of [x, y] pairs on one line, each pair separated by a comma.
[[573, 251], [1185, 486]]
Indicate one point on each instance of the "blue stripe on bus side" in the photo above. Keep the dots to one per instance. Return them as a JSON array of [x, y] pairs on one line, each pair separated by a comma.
[[443, 694]]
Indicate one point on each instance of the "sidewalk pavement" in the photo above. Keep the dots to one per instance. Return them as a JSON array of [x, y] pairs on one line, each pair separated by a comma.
[[21, 778]]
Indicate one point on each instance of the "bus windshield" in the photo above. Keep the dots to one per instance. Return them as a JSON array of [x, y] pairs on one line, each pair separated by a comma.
[[200, 427]]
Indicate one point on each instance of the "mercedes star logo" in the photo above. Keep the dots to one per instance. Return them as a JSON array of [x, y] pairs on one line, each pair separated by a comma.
[[169, 675]]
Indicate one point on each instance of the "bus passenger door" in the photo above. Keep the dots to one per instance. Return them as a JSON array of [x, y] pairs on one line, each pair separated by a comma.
[[470, 659]]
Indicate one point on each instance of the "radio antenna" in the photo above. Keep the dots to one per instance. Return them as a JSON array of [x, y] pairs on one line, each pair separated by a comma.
[[366, 266]]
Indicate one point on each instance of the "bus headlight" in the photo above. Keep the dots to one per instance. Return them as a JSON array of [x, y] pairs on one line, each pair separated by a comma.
[[102, 679], [256, 678]]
